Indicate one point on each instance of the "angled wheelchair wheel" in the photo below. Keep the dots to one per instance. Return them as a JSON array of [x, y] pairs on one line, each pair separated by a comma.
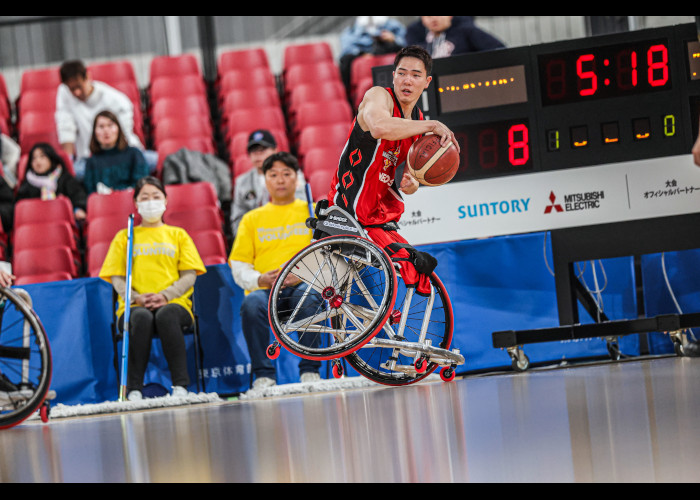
[[25, 359], [391, 358], [346, 290]]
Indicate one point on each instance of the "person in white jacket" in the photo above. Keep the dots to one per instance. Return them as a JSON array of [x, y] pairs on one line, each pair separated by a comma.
[[78, 100]]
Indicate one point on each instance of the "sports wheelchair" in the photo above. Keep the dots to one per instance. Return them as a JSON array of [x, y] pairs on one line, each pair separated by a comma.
[[364, 313], [25, 360]]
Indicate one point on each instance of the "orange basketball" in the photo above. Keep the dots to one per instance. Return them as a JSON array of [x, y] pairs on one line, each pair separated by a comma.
[[430, 163]]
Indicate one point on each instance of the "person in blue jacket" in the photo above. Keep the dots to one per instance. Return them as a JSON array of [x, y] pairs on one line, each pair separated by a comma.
[[445, 36]]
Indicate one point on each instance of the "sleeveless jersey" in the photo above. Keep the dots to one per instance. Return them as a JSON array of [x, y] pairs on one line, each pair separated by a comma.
[[364, 184]]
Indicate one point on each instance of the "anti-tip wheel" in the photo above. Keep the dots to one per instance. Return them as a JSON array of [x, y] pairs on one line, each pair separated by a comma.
[[447, 374], [273, 351]]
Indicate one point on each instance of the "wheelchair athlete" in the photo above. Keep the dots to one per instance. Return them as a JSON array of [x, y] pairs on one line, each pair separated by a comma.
[[387, 124]]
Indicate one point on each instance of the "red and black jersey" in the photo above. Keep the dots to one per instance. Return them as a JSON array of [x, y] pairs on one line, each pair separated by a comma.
[[365, 184]]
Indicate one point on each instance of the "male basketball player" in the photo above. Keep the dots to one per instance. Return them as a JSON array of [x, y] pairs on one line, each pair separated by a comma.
[[388, 122]]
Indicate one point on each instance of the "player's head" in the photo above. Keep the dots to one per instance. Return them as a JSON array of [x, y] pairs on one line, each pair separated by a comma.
[[412, 68]]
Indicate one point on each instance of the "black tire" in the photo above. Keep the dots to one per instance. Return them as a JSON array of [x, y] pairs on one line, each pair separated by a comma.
[[28, 367]]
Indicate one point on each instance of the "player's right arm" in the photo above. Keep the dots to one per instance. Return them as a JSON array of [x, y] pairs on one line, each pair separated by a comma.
[[375, 114]]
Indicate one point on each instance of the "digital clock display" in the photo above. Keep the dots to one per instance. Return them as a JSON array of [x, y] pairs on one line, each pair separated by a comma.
[[482, 89], [494, 148], [604, 72]]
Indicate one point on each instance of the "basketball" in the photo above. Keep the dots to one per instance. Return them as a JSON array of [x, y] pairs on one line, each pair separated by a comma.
[[430, 163]]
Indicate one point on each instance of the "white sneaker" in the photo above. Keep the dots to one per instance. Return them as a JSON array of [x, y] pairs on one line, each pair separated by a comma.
[[310, 377], [262, 382], [179, 391], [134, 396]]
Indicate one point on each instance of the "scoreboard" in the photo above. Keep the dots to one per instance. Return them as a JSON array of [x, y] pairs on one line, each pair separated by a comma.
[[563, 134]]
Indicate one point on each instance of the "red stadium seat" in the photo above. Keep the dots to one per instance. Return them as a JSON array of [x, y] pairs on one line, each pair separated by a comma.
[[320, 182], [317, 136], [306, 53], [246, 79], [248, 120], [41, 261], [179, 106], [193, 220], [42, 278], [313, 92], [323, 158], [105, 228], [191, 195], [41, 100], [262, 97], [361, 68], [166, 66], [95, 257], [113, 71], [241, 164], [177, 86], [33, 79], [242, 59], [116, 203], [181, 128], [48, 234], [300, 74], [3, 87], [36, 127], [211, 246], [322, 113], [35, 210]]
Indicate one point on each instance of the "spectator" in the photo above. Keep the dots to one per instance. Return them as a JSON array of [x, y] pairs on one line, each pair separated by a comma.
[[48, 177], [165, 266], [372, 35], [249, 190], [444, 36], [10, 153], [114, 164], [255, 262], [78, 100]]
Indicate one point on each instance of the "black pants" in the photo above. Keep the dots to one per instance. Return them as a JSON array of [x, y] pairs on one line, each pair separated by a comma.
[[169, 323]]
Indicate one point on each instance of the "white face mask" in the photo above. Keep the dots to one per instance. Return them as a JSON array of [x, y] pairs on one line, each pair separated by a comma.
[[152, 210]]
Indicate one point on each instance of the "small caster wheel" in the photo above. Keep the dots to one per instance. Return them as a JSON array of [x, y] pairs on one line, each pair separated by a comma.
[[44, 412], [520, 363], [614, 351], [447, 374], [337, 370], [273, 351], [421, 364]]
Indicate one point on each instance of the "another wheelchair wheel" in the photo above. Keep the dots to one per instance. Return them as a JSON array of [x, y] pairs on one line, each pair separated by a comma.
[[347, 290], [392, 358], [25, 359]]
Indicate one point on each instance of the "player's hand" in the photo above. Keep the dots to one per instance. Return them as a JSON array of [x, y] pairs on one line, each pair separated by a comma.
[[446, 135], [696, 152], [6, 279], [409, 184]]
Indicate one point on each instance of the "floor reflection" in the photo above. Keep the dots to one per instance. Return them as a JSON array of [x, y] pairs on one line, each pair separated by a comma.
[[613, 422]]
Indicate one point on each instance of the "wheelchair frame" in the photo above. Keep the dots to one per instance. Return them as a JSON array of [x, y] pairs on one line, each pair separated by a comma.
[[343, 254]]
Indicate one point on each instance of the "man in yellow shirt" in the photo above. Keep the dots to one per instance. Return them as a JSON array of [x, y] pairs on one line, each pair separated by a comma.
[[267, 238]]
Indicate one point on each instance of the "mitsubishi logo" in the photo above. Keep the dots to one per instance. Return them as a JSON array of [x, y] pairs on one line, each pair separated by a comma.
[[355, 157], [553, 205]]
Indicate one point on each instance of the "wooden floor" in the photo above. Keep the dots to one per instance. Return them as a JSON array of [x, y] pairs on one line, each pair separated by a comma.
[[632, 421]]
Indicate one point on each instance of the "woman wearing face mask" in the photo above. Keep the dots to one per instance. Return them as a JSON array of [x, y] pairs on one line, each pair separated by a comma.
[[164, 268], [48, 177], [114, 165]]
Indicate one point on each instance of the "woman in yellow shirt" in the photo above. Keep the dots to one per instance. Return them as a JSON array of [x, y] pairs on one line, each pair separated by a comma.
[[164, 268]]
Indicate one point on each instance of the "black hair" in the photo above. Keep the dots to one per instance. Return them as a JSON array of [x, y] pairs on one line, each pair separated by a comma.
[[419, 53], [287, 158], [72, 69], [51, 154], [149, 179]]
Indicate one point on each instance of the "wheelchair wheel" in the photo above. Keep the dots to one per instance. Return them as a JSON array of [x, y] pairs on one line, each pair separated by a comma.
[[347, 290], [25, 359], [397, 366]]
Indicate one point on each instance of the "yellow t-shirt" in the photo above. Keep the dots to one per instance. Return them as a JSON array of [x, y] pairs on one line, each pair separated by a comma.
[[270, 235], [160, 253]]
